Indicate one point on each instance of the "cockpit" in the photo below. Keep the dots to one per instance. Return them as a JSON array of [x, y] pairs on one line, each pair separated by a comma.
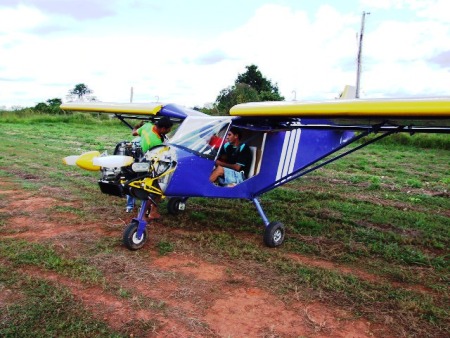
[[201, 136]]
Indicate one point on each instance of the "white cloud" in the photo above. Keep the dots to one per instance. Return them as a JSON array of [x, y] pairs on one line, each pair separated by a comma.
[[299, 54], [310, 53], [13, 20]]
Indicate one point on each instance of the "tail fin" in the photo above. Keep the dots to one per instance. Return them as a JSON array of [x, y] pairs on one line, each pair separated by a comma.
[[349, 92]]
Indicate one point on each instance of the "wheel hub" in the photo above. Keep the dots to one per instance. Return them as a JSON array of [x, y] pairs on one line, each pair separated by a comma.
[[277, 236], [137, 240]]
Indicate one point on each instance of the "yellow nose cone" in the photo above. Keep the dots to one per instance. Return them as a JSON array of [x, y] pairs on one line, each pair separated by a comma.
[[86, 160]]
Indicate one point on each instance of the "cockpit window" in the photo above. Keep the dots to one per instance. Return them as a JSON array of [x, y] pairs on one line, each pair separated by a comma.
[[201, 135]]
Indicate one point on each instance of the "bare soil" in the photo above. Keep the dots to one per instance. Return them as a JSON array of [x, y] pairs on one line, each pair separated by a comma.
[[181, 294]]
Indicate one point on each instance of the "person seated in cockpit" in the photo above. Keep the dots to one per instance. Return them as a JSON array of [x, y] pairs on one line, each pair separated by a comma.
[[234, 160]]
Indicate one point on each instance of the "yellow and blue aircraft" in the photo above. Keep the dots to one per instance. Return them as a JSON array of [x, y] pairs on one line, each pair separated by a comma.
[[287, 141]]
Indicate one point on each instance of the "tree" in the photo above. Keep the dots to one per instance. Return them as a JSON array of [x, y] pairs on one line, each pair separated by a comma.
[[250, 86], [41, 107], [50, 107], [55, 102], [209, 109], [239, 93], [81, 92], [266, 90]]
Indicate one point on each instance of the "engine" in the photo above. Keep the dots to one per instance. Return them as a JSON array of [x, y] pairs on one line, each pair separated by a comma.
[[149, 174], [112, 178]]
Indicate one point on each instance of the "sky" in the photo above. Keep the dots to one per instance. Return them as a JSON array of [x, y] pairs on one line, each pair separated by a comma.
[[186, 52]]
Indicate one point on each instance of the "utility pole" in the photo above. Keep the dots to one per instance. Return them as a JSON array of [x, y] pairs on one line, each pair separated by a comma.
[[358, 72], [131, 95]]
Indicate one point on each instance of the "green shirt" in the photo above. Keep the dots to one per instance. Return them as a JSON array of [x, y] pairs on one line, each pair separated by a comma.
[[149, 137]]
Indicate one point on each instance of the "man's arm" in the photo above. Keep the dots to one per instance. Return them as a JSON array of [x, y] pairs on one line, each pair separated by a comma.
[[235, 166], [134, 132]]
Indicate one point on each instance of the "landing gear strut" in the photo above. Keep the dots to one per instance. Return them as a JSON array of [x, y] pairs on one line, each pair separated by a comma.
[[135, 234], [274, 232]]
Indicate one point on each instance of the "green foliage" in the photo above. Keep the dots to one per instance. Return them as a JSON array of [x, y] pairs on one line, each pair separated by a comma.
[[437, 141], [414, 183], [383, 208], [239, 93], [50, 107], [17, 115], [375, 183], [250, 86], [24, 253], [81, 92], [265, 89], [209, 109], [31, 116], [56, 102], [164, 247], [42, 302]]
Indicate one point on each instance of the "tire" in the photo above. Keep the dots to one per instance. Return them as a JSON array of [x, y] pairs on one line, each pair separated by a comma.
[[130, 234], [274, 234], [173, 205]]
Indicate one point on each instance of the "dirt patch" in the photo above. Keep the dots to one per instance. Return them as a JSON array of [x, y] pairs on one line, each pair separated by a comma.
[[336, 267], [177, 295]]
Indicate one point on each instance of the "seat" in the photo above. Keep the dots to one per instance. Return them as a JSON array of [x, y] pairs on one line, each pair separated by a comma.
[[251, 172]]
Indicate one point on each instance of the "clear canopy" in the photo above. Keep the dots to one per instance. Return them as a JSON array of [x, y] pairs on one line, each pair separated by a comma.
[[202, 135]]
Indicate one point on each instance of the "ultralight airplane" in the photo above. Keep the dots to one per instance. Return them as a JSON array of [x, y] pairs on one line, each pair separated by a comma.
[[287, 141]]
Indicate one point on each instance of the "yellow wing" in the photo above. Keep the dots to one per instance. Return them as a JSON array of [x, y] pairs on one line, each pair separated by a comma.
[[110, 107], [358, 108]]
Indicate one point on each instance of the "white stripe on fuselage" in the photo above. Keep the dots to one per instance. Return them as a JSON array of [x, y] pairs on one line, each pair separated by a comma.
[[288, 153]]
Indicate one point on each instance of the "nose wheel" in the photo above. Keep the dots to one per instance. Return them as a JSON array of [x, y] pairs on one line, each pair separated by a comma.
[[131, 239], [135, 234]]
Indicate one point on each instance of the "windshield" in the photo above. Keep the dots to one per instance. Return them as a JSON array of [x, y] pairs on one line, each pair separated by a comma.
[[202, 135]]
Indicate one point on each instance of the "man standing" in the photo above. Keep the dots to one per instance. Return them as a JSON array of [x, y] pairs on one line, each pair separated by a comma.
[[152, 135], [233, 163]]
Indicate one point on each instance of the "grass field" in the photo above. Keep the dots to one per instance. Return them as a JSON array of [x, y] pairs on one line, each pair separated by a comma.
[[369, 233]]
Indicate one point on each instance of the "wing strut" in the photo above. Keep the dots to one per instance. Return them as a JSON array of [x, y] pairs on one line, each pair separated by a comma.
[[122, 119], [303, 171]]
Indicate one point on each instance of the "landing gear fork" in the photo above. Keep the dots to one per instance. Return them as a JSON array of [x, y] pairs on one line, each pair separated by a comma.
[[135, 234]]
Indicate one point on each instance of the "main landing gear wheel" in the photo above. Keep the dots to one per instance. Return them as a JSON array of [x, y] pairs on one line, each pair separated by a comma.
[[274, 234], [130, 239], [175, 205]]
